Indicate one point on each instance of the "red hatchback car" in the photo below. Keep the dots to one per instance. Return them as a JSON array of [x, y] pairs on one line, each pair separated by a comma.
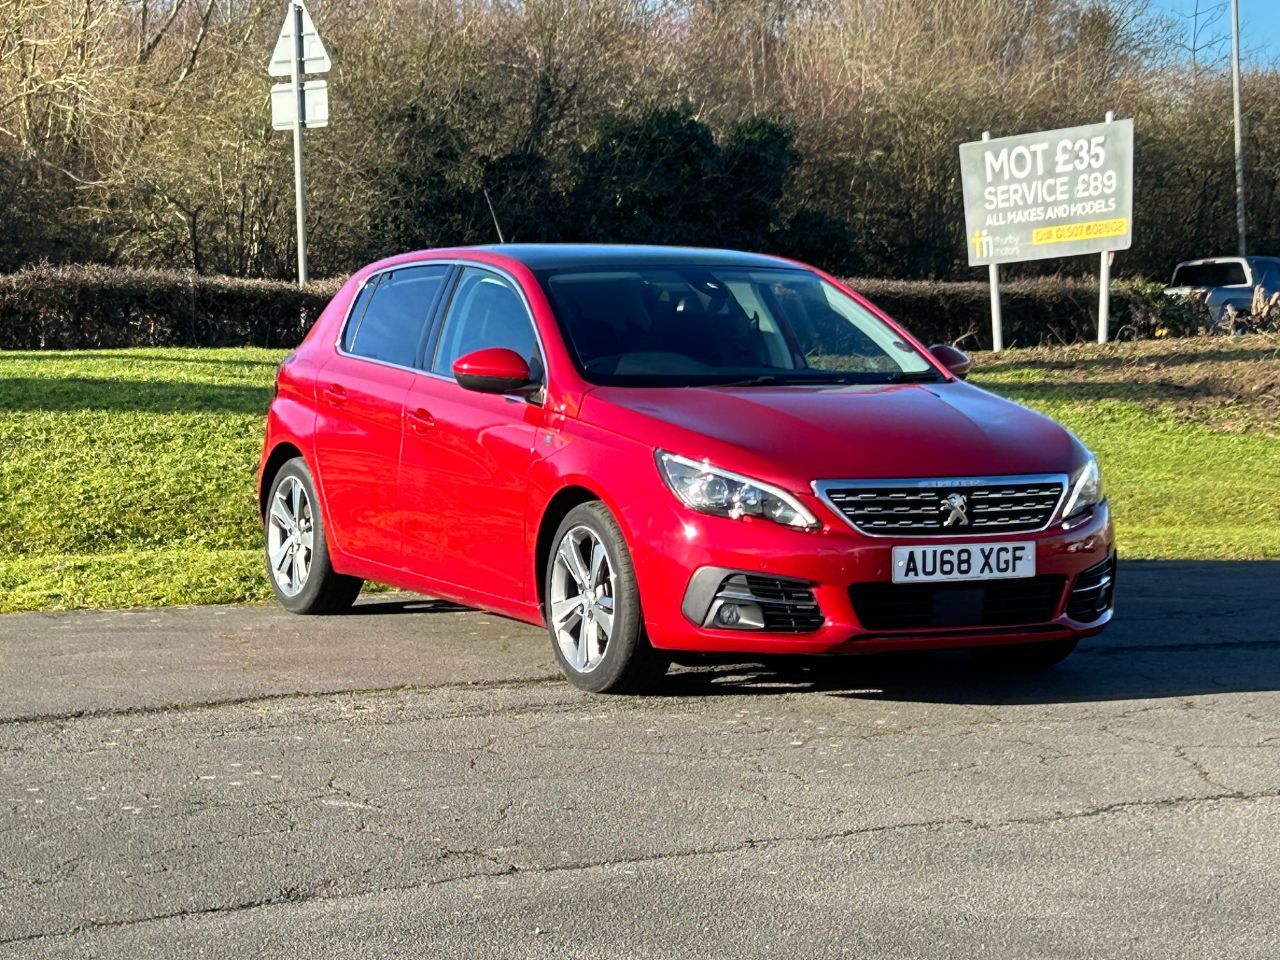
[[654, 450]]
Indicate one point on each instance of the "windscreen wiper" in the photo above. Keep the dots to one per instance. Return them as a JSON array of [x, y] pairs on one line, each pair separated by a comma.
[[919, 376], [794, 380]]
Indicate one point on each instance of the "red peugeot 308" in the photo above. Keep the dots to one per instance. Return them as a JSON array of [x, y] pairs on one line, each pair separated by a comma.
[[655, 449]]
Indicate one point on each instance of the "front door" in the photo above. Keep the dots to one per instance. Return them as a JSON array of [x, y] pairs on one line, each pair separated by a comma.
[[466, 455]]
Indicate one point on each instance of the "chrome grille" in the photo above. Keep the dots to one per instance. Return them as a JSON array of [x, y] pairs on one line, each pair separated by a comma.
[[918, 507]]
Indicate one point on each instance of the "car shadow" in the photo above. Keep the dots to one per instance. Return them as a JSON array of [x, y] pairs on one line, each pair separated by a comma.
[[1134, 391], [78, 394], [184, 355], [1247, 349], [400, 603], [1182, 628]]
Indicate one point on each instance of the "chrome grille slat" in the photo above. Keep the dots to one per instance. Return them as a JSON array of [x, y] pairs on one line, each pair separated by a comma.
[[787, 606], [994, 504]]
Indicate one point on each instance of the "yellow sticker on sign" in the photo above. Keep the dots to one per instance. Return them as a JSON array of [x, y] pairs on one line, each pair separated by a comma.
[[1093, 230]]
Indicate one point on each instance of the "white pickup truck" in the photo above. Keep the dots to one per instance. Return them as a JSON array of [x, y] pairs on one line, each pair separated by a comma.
[[1226, 282]]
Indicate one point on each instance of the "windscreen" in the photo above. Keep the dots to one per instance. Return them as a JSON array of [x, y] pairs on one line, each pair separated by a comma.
[[688, 326], [1228, 274]]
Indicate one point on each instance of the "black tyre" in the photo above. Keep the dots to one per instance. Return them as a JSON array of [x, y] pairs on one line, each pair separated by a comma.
[[297, 555], [593, 607], [1026, 657]]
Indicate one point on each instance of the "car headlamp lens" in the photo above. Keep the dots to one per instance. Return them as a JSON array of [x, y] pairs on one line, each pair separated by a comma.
[[1086, 489], [720, 493]]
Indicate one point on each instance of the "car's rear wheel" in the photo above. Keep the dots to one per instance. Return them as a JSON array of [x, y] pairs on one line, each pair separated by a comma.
[[1026, 657], [593, 606], [297, 554]]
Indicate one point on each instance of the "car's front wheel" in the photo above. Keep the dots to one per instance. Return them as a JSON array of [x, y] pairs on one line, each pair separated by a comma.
[[593, 606], [297, 555]]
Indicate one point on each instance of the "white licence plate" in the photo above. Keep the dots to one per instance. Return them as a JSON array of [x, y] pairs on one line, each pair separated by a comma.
[[967, 561]]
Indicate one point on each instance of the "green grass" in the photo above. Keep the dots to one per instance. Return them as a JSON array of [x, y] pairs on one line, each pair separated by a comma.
[[1177, 489], [126, 476]]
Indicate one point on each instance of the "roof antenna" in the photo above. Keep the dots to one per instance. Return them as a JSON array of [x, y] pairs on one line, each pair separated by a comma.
[[497, 226]]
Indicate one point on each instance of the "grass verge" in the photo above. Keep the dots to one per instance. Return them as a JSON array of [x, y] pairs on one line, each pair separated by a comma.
[[1187, 433], [126, 476]]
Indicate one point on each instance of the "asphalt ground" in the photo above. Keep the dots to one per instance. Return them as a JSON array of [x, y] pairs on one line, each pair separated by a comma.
[[414, 780]]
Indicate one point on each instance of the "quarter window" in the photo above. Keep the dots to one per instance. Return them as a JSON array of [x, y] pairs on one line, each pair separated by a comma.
[[357, 314], [485, 312], [391, 327]]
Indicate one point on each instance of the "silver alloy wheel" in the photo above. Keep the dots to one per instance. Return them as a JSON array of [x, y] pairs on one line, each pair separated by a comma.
[[290, 536], [582, 599]]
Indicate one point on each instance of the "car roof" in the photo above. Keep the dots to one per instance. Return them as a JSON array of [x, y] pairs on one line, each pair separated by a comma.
[[562, 256], [1250, 259]]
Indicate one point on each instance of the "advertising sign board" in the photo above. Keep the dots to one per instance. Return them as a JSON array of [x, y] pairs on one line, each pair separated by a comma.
[[1057, 193]]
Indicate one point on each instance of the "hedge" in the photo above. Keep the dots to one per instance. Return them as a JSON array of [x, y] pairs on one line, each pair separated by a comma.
[[1034, 312], [74, 307], [85, 306]]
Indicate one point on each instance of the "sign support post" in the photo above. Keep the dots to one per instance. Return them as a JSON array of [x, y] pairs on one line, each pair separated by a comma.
[[1104, 297], [993, 275], [1239, 132], [300, 103], [1104, 281], [299, 118]]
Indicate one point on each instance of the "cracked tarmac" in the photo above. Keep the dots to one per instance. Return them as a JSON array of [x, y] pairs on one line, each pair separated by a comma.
[[413, 780]]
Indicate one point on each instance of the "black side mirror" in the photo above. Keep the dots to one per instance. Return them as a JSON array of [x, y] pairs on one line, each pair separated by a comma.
[[957, 361]]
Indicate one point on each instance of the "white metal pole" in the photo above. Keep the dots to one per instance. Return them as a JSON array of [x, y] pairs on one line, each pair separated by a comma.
[[299, 118], [1235, 96], [1104, 297], [1104, 282], [993, 275]]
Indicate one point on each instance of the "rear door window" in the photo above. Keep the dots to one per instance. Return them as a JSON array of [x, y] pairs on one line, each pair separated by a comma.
[[1268, 274], [393, 323]]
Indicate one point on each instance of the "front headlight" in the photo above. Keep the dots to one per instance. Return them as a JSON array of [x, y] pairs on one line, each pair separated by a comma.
[[1086, 489], [720, 493]]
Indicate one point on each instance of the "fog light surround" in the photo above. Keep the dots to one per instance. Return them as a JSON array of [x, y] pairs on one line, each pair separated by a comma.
[[720, 598], [735, 614]]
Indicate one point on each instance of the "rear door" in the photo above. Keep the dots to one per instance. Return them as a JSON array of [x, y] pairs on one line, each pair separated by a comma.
[[360, 396], [466, 456]]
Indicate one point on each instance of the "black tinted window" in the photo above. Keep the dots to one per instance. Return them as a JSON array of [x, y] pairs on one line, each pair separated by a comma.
[[357, 313], [1209, 275], [391, 327], [485, 312], [687, 325]]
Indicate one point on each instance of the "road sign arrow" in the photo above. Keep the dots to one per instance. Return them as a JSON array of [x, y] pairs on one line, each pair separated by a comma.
[[315, 58]]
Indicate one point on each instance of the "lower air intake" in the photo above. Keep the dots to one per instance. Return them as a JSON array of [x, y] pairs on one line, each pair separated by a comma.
[[997, 603], [1093, 592], [784, 606]]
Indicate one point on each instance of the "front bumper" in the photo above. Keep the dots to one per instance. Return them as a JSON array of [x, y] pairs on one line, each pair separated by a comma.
[[673, 544]]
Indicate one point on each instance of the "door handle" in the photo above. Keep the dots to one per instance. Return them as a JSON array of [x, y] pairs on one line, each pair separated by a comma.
[[335, 394], [420, 421]]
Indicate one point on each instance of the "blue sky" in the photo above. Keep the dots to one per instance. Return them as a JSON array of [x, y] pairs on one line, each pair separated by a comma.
[[1259, 23]]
